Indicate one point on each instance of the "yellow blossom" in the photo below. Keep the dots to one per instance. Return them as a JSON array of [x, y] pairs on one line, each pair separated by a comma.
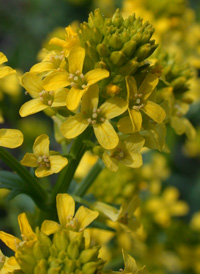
[[47, 162], [126, 153], [42, 98], [125, 216], [7, 265], [10, 138], [75, 78], [97, 117], [138, 100], [66, 208]]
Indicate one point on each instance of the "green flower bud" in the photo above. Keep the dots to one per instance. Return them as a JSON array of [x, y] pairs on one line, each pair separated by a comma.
[[73, 250], [60, 240], [117, 58], [129, 47], [128, 68], [89, 268], [91, 51], [144, 51], [97, 36], [103, 50], [41, 267], [88, 255], [115, 41]]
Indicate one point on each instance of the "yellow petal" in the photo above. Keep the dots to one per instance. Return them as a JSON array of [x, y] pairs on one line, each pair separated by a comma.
[[58, 42], [41, 145], [136, 119], [154, 111], [110, 162], [85, 216], [25, 228], [90, 99], [49, 227], [5, 70], [134, 143], [43, 171], [76, 59], [30, 160], [94, 76], [109, 211], [129, 262], [3, 58], [60, 98], [125, 125], [56, 80], [74, 97], [178, 125], [57, 163], [148, 85], [113, 107], [9, 240], [32, 83], [74, 126], [131, 87], [65, 207], [10, 138], [189, 129], [31, 107], [106, 135], [42, 67], [133, 160]]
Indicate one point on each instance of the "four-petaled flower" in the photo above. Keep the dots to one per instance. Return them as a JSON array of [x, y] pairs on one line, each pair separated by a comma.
[[66, 208], [138, 100], [126, 153], [42, 98], [97, 117], [47, 162], [75, 78]]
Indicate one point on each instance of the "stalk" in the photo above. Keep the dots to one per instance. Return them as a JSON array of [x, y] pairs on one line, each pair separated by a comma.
[[89, 179]]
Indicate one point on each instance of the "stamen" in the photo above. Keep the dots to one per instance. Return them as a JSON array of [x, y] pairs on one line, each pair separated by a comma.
[[75, 78]]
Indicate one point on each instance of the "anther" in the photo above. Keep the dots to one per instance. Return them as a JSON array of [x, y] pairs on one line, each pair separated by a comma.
[[94, 115]]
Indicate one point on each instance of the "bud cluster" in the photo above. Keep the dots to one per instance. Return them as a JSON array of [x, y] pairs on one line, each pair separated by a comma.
[[65, 253], [119, 44]]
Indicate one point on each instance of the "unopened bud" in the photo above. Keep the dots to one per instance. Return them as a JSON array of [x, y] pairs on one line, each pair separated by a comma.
[[129, 48], [115, 42], [117, 58], [103, 50]]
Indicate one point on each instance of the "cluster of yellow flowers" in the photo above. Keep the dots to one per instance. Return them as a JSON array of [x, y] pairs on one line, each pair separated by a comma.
[[109, 93]]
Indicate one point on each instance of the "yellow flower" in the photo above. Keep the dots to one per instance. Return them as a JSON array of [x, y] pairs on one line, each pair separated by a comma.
[[10, 138], [126, 153], [7, 265], [125, 216], [71, 41], [131, 266], [27, 234], [46, 161], [138, 100], [53, 61], [4, 70], [75, 78], [42, 99], [97, 117], [66, 207]]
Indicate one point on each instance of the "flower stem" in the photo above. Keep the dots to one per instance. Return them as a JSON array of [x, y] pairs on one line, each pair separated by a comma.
[[77, 151], [89, 179], [34, 190]]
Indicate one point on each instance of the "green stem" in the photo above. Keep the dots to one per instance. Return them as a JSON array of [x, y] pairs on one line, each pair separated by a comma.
[[34, 190], [77, 151], [89, 179]]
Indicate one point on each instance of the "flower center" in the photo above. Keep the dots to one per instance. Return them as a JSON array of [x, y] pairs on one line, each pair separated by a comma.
[[56, 60], [43, 161], [72, 223], [118, 154], [96, 117], [137, 102], [77, 80], [46, 97]]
